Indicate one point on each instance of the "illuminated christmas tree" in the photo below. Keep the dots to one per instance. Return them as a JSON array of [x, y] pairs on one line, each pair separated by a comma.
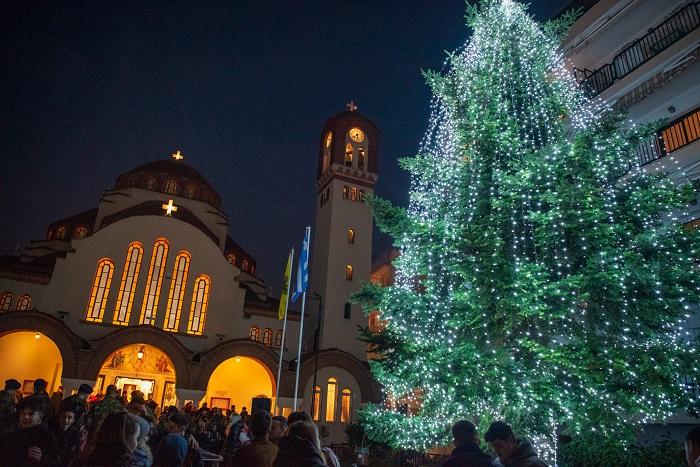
[[540, 281]]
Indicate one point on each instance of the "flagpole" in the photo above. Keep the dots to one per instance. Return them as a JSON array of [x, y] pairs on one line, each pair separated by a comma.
[[307, 238], [284, 332]]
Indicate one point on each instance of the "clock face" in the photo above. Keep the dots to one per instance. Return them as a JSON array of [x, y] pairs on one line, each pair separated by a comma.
[[356, 135]]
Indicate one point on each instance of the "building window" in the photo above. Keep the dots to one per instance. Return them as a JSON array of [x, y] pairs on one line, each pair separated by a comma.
[[154, 281], [244, 266], [81, 232], [278, 339], [346, 190], [327, 152], [130, 276], [151, 184], [362, 195], [254, 333], [23, 302], [330, 399], [346, 312], [190, 192], [170, 187], [200, 300], [346, 405], [177, 292], [100, 291], [231, 259], [267, 337], [5, 301], [348, 155], [351, 236], [361, 159], [353, 194], [694, 224], [132, 182], [61, 233], [348, 272], [49, 235], [206, 198], [317, 404]]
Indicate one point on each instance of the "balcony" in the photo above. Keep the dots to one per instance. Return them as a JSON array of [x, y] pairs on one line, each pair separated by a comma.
[[635, 54]]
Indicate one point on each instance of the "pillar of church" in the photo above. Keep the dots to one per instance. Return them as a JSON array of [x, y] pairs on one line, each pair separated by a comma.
[[194, 395], [71, 386]]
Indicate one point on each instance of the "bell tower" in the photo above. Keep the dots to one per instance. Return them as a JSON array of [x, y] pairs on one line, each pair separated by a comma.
[[348, 163]]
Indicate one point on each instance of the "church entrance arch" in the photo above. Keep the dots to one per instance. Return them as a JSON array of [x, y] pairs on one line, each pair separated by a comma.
[[30, 355], [141, 367], [240, 381]]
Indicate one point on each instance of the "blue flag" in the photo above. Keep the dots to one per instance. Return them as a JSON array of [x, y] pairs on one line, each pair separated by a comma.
[[303, 268]]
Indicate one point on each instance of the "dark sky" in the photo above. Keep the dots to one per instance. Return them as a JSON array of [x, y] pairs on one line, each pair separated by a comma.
[[92, 89]]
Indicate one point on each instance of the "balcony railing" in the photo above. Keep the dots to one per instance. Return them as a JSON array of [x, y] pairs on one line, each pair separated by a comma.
[[640, 51]]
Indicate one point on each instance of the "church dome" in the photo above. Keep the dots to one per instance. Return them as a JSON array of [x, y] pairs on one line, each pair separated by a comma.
[[172, 177]]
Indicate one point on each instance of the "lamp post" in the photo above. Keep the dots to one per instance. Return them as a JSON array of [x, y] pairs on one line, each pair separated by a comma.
[[317, 338]]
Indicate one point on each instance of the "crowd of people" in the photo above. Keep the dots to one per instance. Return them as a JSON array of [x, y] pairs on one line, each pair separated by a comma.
[[111, 431]]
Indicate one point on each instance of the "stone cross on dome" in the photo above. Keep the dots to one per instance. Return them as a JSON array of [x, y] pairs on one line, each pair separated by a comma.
[[351, 106], [177, 156], [169, 208]]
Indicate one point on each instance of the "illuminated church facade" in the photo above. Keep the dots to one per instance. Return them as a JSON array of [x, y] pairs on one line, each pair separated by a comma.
[[148, 291]]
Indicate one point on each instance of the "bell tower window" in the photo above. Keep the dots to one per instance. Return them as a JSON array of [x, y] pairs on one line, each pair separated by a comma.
[[353, 194], [151, 183], [327, 152], [346, 189], [348, 272], [170, 187], [190, 192], [24, 302], [348, 155], [61, 233], [5, 301], [351, 236], [81, 232], [361, 159]]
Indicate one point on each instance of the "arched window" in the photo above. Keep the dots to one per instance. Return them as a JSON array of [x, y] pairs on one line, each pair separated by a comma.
[[130, 276], [361, 159], [23, 302], [327, 152], [190, 192], [206, 198], [346, 405], [362, 195], [353, 194], [346, 312], [255, 333], [5, 301], [80, 232], [151, 184], [317, 404], [154, 281], [345, 192], [267, 337], [348, 155], [231, 259], [100, 291], [328, 193], [170, 187], [348, 272], [61, 233], [278, 339], [330, 399], [244, 265], [252, 270], [177, 292], [200, 300], [132, 181], [49, 234], [351, 236]]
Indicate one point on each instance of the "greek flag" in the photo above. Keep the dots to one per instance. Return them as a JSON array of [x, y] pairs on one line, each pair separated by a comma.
[[303, 269]]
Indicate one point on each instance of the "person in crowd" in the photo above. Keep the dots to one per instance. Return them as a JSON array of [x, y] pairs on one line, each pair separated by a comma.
[[467, 452], [279, 428], [245, 415], [137, 406], [511, 452], [56, 398], [303, 416], [692, 446], [8, 405], [29, 442], [40, 393], [233, 438], [152, 406], [67, 435], [109, 403], [217, 418], [140, 396], [114, 442], [171, 451], [261, 452], [179, 423], [301, 447], [78, 403], [142, 453]]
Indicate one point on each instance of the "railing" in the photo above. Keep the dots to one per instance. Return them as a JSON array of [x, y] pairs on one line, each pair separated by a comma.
[[640, 51]]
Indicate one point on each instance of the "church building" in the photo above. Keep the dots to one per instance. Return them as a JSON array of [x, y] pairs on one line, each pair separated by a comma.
[[148, 291]]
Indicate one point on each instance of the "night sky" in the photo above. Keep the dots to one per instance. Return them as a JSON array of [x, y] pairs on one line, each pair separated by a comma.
[[90, 90]]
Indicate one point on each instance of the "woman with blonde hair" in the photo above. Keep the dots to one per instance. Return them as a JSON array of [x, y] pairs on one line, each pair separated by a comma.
[[301, 447], [114, 443]]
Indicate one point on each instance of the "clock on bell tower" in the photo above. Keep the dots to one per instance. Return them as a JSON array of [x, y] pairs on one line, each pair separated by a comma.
[[348, 163]]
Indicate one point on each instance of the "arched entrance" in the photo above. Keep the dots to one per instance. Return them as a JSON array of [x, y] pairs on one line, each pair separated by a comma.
[[140, 367], [30, 355], [237, 381]]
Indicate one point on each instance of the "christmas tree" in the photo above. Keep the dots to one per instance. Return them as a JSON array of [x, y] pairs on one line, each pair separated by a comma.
[[541, 281]]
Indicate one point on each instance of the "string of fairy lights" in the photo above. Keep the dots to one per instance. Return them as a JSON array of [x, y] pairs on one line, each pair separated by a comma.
[[534, 285]]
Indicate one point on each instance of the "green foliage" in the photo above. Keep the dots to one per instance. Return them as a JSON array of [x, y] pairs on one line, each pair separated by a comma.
[[611, 453]]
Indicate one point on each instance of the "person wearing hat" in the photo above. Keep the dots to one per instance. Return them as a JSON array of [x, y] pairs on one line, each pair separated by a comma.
[[77, 402], [110, 403], [40, 393], [8, 403]]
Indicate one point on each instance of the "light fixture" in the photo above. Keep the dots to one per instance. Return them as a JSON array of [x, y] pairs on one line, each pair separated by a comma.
[[238, 359], [37, 335], [671, 109], [140, 353]]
